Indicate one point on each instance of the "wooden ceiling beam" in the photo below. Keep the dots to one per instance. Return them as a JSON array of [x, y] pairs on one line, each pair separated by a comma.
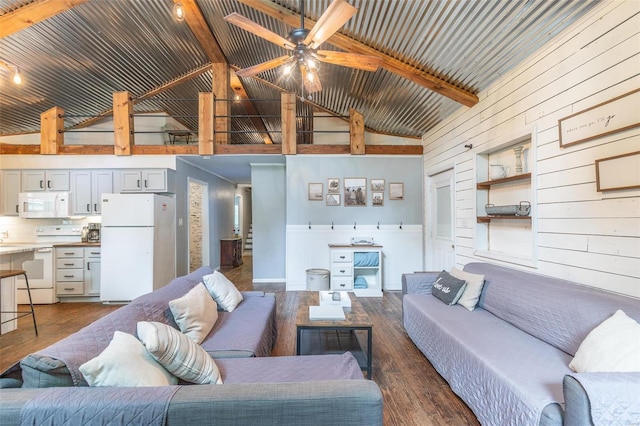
[[200, 29], [32, 13], [390, 64]]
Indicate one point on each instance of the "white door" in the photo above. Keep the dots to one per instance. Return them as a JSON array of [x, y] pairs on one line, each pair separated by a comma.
[[440, 253]]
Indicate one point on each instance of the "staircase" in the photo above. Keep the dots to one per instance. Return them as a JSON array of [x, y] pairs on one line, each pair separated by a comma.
[[248, 245]]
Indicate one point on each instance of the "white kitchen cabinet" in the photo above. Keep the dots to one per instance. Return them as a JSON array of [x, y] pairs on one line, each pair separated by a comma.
[[145, 180], [87, 187], [357, 268], [92, 271], [45, 180], [78, 272], [10, 190]]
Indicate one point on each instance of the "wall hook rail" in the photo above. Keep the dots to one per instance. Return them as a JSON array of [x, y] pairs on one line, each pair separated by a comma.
[[400, 224], [378, 225], [309, 224], [331, 224], [354, 225]]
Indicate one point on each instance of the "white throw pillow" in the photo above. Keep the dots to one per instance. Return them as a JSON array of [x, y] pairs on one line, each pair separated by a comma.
[[613, 346], [177, 353], [471, 295], [195, 313], [223, 291], [125, 362]]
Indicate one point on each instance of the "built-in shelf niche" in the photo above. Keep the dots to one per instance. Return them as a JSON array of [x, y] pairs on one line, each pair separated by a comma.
[[506, 238]]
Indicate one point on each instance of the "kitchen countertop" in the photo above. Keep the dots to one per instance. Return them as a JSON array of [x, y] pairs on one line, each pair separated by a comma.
[[85, 244], [13, 248]]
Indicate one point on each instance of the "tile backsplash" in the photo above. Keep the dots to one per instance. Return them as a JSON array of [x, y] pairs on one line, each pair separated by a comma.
[[23, 230]]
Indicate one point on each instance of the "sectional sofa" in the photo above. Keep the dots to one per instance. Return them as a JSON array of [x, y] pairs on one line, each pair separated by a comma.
[[508, 358], [48, 386]]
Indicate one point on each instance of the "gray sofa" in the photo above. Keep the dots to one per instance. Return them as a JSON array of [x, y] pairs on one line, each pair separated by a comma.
[[48, 387], [509, 358]]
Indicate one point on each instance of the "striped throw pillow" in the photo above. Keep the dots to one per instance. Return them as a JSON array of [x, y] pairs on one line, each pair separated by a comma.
[[178, 354]]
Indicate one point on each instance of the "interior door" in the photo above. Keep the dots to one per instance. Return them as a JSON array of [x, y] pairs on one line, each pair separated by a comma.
[[440, 218]]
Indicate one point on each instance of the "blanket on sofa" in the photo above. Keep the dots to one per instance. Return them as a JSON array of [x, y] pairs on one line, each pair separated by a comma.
[[83, 406], [612, 397]]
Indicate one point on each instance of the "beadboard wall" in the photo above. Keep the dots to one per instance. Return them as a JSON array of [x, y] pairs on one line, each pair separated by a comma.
[[581, 235]]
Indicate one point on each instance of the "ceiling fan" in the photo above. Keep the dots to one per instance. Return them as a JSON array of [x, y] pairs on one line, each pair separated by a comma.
[[303, 44]]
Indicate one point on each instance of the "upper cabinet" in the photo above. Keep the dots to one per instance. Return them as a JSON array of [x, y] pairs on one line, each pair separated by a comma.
[[45, 180], [144, 180], [10, 190], [87, 187]]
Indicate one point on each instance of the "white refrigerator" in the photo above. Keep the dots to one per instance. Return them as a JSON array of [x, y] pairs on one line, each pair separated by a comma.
[[138, 240]]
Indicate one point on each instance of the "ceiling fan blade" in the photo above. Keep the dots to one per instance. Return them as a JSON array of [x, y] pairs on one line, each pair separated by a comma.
[[336, 15], [352, 60], [248, 25], [311, 84], [257, 69]]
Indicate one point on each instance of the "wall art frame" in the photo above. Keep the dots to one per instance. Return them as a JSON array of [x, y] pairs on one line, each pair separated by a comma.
[[333, 186], [614, 115], [333, 200], [315, 191], [618, 172], [355, 192], [377, 185], [396, 191], [377, 198]]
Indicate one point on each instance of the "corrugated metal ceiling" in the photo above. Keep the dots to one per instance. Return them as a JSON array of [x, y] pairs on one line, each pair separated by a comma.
[[77, 59]]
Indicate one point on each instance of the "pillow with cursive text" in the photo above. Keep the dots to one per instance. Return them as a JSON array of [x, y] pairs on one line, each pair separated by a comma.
[[448, 288]]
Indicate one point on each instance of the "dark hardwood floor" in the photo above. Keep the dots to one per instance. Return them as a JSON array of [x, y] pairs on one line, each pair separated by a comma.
[[414, 393]]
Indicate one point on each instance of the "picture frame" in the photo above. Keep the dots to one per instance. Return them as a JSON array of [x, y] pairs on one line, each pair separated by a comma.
[[377, 199], [333, 186], [618, 172], [333, 200], [315, 191], [377, 185], [355, 192], [396, 191], [614, 115]]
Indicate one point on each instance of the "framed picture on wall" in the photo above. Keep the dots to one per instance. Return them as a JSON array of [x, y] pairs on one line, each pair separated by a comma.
[[333, 185], [355, 191], [396, 191], [315, 191], [377, 185], [333, 199], [377, 198]]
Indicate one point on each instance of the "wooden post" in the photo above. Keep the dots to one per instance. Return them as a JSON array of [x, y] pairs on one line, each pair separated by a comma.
[[356, 132], [288, 108], [51, 130], [221, 93], [206, 144], [122, 123]]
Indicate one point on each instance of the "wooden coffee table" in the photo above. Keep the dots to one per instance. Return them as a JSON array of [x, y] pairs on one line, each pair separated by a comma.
[[334, 336]]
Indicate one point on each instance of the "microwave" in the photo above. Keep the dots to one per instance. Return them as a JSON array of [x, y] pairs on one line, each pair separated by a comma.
[[44, 204]]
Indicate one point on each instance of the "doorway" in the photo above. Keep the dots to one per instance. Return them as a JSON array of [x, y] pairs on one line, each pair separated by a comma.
[[198, 235], [440, 250], [238, 217]]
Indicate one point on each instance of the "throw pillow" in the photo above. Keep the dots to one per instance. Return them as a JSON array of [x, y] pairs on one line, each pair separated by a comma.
[[125, 362], [195, 313], [471, 294], [447, 288], [613, 346], [223, 291], [178, 354]]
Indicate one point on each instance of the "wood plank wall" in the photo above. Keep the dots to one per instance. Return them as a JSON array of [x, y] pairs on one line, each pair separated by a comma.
[[582, 235]]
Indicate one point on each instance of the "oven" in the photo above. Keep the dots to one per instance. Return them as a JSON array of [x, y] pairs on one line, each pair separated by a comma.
[[40, 263], [39, 267]]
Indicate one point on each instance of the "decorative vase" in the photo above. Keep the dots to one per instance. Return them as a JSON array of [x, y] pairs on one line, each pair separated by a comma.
[[518, 151]]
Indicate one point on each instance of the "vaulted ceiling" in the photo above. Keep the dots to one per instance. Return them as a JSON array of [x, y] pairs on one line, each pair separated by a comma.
[[438, 55]]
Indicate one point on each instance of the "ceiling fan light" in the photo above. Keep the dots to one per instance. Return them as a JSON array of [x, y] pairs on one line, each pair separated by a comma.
[[178, 12], [286, 69], [17, 78], [310, 76], [311, 64]]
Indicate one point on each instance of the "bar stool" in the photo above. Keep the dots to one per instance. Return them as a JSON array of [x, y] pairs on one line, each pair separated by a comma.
[[7, 273]]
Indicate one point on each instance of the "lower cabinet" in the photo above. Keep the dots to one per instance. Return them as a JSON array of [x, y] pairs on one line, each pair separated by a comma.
[[231, 252], [77, 271]]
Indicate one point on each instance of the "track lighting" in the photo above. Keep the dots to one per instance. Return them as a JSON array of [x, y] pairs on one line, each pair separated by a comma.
[[178, 12]]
